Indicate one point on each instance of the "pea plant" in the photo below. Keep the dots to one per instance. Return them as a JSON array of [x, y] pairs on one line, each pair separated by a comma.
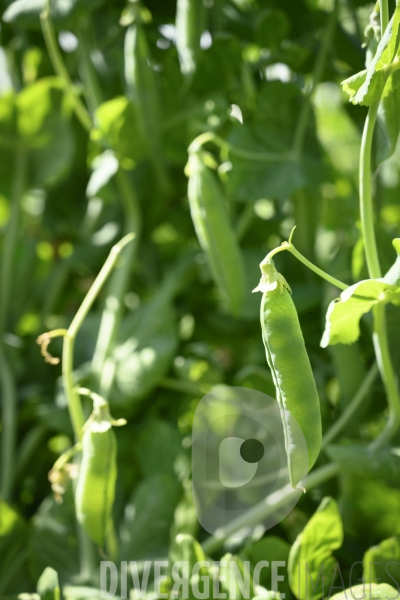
[[153, 156]]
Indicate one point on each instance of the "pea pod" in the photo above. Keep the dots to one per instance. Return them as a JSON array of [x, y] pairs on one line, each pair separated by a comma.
[[291, 371], [95, 491], [189, 27], [143, 90], [211, 221]]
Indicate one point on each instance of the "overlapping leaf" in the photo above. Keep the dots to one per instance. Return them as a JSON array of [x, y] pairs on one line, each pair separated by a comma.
[[343, 316], [367, 86]]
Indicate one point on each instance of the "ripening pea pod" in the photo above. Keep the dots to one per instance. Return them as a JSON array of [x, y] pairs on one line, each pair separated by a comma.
[[143, 90], [190, 20], [291, 371], [211, 221], [95, 491]]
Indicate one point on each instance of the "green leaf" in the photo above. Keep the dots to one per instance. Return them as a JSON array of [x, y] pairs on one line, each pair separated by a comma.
[[367, 86], [343, 315], [270, 132], [388, 121], [311, 553], [393, 275], [82, 593], [361, 461], [185, 548], [382, 562], [44, 124], [374, 591], [369, 501], [104, 166], [53, 540], [13, 539], [234, 565], [270, 548], [118, 120], [141, 362], [148, 518], [48, 586], [158, 446]]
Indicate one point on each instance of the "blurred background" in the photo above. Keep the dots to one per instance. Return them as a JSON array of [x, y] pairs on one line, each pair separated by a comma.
[[97, 150]]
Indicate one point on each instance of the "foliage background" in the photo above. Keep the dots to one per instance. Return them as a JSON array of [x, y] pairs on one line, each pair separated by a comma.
[[176, 338]]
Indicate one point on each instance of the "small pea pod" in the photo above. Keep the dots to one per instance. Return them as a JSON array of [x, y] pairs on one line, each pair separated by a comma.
[[291, 371], [189, 27], [95, 491], [211, 221]]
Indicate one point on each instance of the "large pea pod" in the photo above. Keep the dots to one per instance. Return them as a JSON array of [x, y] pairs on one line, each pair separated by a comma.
[[95, 491], [211, 221], [189, 27], [291, 371]]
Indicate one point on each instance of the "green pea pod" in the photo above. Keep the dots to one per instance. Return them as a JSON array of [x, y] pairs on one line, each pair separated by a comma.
[[95, 491], [189, 27], [143, 90], [291, 371], [211, 221]]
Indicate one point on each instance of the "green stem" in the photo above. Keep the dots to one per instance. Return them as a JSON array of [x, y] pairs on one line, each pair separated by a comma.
[[10, 239], [289, 246], [8, 386], [209, 136], [90, 82], [73, 399], [262, 510], [384, 11], [352, 408], [366, 208], [59, 67], [302, 124], [9, 418], [382, 352], [380, 340]]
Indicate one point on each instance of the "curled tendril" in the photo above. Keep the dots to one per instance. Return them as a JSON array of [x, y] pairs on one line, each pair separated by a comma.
[[44, 340]]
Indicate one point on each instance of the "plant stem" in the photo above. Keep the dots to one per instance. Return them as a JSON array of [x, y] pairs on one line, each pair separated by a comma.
[[210, 136], [380, 339], [59, 67], [10, 238], [302, 124], [8, 437], [9, 395], [366, 208], [384, 11], [262, 510], [382, 352], [73, 399], [289, 246], [351, 409]]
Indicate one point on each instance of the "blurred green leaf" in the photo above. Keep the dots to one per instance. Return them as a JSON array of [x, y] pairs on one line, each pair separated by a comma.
[[148, 518], [359, 460], [381, 591], [118, 121], [311, 554], [53, 542], [48, 586], [382, 562]]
